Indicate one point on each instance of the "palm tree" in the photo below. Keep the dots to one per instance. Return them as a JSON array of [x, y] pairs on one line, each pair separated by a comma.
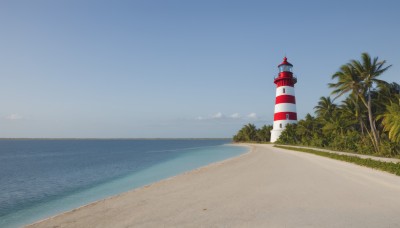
[[337, 124], [360, 78], [369, 70], [391, 121], [288, 136], [348, 81], [306, 128], [246, 134], [387, 94], [264, 133], [325, 108], [351, 108]]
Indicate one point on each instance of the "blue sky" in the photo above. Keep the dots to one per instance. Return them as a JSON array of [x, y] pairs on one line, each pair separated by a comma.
[[172, 68]]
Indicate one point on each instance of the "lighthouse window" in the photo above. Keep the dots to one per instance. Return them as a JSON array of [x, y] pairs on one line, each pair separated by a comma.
[[287, 116], [284, 91], [285, 68], [280, 125]]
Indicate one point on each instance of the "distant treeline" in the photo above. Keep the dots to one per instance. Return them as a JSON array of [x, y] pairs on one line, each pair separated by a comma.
[[367, 121], [249, 133]]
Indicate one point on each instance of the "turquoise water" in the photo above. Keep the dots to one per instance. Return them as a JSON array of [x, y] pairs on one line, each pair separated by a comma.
[[175, 158]]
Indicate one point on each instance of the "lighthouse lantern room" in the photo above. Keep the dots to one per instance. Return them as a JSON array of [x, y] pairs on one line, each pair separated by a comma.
[[285, 101]]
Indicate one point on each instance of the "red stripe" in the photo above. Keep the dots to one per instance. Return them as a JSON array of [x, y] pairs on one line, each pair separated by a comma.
[[285, 99], [282, 116]]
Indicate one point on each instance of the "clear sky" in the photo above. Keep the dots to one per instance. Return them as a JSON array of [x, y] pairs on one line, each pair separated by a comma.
[[169, 68]]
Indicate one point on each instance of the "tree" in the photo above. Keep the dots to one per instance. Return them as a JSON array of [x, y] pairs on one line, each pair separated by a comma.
[[288, 135], [387, 94], [391, 121], [359, 77], [351, 109], [336, 125], [325, 108], [264, 133], [246, 134], [308, 131]]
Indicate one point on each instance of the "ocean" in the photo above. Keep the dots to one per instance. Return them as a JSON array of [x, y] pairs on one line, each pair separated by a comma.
[[42, 178]]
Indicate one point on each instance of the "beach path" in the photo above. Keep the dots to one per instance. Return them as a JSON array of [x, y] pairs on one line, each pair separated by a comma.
[[268, 187]]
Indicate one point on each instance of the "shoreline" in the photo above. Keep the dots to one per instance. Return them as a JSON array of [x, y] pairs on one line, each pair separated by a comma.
[[217, 163], [263, 187]]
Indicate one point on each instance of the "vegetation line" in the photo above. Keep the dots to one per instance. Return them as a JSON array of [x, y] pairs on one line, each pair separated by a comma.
[[389, 167]]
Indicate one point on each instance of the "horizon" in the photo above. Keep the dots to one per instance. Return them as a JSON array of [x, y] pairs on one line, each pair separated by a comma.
[[175, 69]]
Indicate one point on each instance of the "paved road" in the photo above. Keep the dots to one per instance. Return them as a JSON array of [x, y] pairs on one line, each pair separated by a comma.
[[268, 187], [394, 160]]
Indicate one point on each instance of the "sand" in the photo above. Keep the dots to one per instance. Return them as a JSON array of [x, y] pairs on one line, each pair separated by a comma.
[[268, 187]]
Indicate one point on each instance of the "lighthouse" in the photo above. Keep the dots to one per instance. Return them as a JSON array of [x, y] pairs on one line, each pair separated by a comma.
[[285, 100]]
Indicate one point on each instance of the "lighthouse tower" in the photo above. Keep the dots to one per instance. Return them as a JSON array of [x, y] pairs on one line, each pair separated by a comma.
[[285, 101]]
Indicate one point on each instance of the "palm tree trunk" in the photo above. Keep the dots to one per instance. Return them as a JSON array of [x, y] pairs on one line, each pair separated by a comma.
[[372, 123], [375, 139], [361, 125], [358, 114], [357, 104]]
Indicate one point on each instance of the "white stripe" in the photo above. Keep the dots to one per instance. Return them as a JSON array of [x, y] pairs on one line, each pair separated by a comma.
[[275, 135], [285, 107], [283, 122], [288, 90]]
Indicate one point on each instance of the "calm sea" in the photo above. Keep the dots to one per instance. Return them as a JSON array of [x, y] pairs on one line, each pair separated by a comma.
[[41, 178]]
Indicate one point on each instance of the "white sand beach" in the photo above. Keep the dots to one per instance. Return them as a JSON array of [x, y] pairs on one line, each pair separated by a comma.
[[267, 187]]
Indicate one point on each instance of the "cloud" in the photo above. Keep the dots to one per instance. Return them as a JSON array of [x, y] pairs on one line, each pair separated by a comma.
[[14, 116], [217, 115], [235, 116], [252, 115]]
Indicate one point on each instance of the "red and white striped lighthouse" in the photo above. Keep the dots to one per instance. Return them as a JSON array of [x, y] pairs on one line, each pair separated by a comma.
[[285, 100]]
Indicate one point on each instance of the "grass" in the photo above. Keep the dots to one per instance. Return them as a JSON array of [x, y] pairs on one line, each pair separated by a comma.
[[389, 167], [255, 142]]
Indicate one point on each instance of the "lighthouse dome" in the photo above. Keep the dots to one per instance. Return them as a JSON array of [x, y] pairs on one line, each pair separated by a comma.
[[285, 66]]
